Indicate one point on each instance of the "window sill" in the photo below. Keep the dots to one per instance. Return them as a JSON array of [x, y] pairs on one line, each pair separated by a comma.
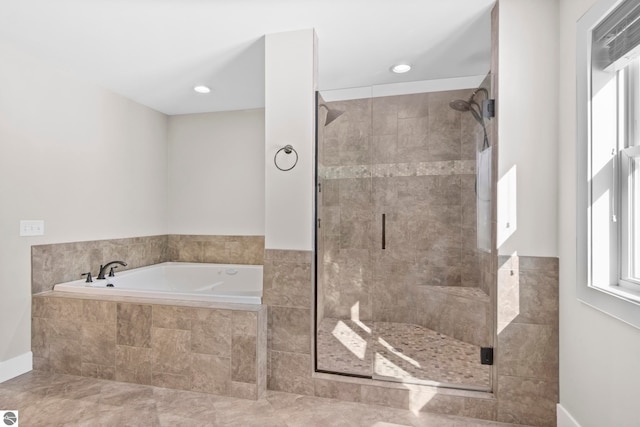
[[619, 302], [626, 293]]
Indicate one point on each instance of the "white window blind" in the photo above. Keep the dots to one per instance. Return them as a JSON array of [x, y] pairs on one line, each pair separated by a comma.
[[616, 39]]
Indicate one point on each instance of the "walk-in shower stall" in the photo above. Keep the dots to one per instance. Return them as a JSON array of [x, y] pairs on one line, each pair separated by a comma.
[[404, 290]]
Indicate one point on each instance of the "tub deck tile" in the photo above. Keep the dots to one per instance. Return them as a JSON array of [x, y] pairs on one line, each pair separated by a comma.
[[154, 301]]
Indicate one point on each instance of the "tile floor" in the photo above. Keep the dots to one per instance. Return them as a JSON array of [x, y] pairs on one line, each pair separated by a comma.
[[45, 399], [399, 350]]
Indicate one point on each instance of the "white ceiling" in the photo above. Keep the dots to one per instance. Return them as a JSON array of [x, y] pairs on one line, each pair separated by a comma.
[[155, 51]]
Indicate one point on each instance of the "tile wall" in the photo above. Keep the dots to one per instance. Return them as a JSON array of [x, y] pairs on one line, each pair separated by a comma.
[[413, 159], [527, 349], [287, 292], [216, 249], [217, 349], [64, 262], [526, 359]]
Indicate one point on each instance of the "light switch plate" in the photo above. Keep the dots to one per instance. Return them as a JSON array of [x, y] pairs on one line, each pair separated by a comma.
[[32, 227]]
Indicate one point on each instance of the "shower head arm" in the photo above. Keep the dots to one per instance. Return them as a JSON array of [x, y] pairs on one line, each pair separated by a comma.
[[477, 91], [476, 111], [332, 113]]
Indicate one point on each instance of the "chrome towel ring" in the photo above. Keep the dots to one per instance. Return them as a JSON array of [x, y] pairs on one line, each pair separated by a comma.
[[288, 149]]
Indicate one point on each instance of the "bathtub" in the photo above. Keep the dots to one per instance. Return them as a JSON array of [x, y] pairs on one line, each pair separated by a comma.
[[230, 283]]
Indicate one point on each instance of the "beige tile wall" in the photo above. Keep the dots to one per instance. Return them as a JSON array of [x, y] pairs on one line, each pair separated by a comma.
[[413, 158], [527, 349], [212, 350], [526, 358], [216, 249], [64, 262], [288, 295]]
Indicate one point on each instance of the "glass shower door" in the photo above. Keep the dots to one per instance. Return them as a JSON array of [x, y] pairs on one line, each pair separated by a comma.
[[432, 313], [402, 293], [344, 233]]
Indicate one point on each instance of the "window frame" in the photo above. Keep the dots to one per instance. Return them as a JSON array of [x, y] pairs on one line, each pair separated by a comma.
[[628, 150], [618, 298], [628, 276]]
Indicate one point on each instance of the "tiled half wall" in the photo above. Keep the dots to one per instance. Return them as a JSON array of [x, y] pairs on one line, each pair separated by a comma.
[[217, 349], [527, 345], [525, 390], [63, 262]]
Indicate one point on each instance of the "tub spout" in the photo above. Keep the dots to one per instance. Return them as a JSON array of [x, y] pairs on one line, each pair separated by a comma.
[[105, 267]]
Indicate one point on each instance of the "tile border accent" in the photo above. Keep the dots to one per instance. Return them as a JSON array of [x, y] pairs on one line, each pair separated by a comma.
[[448, 167]]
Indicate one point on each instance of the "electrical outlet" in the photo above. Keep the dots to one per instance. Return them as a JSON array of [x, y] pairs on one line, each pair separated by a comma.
[[32, 227]]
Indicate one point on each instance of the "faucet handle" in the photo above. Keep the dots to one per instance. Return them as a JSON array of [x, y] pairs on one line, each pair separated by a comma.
[[111, 272], [89, 278]]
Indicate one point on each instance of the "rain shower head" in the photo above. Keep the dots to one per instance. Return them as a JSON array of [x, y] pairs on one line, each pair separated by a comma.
[[332, 114]]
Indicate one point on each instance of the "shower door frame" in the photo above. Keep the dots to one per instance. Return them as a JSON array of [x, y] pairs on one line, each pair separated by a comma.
[[316, 284]]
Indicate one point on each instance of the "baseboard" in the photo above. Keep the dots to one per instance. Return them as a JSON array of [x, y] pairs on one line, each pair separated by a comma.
[[16, 366], [564, 418]]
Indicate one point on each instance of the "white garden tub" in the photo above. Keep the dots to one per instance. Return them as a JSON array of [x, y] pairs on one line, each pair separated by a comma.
[[230, 283]]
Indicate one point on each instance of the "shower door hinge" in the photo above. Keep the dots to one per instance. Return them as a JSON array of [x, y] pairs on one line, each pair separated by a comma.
[[318, 222], [319, 188], [489, 108], [486, 355]]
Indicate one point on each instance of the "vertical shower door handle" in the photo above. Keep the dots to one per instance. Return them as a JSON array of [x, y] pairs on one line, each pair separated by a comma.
[[384, 231]]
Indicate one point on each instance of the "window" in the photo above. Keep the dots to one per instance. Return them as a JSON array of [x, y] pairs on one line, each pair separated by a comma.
[[628, 157], [608, 215]]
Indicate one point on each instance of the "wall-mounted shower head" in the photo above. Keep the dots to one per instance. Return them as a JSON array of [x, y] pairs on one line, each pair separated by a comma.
[[471, 103], [332, 114], [472, 106], [460, 105]]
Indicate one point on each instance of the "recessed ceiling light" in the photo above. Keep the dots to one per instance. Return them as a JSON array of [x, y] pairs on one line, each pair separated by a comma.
[[202, 89], [401, 68]]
